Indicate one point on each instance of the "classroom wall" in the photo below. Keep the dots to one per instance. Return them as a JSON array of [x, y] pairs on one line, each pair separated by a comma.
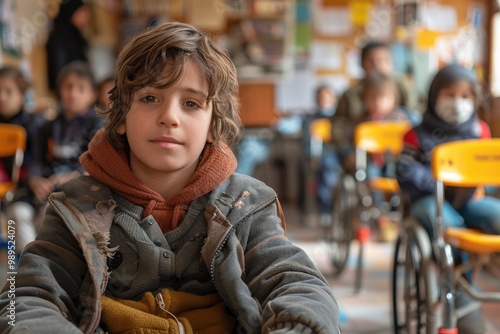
[[327, 36]]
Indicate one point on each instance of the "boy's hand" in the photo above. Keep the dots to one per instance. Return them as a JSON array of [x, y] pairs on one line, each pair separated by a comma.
[[60, 178], [42, 187]]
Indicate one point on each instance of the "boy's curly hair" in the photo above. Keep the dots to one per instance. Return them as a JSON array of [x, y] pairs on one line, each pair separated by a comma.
[[170, 45]]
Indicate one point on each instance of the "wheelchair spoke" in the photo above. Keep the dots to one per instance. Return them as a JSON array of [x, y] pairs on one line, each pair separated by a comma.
[[340, 234], [411, 298]]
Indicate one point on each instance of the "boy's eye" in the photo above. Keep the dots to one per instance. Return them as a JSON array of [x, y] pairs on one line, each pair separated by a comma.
[[192, 105], [148, 99]]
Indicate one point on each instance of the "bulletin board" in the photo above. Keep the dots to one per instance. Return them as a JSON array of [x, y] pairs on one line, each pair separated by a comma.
[[424, 35]]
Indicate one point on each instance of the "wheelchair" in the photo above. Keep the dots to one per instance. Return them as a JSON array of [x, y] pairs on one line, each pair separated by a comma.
[[354, 208], [424, 276]]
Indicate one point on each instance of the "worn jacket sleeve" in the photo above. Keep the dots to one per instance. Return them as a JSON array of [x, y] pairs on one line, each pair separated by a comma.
[[294, 296], [47, 284], [413, 170]]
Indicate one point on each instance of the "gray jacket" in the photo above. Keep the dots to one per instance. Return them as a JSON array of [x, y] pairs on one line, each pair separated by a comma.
[[269, 284]]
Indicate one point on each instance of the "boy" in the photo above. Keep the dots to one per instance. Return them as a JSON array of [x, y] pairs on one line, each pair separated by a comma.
[[60, 142], [163, 236]]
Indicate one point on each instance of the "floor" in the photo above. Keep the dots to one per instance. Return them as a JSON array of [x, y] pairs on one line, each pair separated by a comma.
[[368, 311]]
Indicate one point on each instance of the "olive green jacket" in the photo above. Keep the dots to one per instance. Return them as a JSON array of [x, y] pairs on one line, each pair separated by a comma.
[[269, 284]]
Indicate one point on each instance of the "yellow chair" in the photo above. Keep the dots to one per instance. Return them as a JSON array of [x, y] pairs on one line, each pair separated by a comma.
[[12, 145], [379, 137], [465, 163], [321, 129]]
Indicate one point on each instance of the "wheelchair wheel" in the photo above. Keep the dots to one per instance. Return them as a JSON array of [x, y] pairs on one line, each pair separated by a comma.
[[341, 233], [414, 283]]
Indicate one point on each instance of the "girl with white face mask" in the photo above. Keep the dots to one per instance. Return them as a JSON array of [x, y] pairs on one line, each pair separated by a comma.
[[450, 115], [456, 103]]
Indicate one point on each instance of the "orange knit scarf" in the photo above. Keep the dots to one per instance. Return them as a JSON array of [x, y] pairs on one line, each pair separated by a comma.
[[109, 166]]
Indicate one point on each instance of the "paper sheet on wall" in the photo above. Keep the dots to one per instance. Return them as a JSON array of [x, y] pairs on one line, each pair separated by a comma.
[[360, 11], [332, 21], [353, 64], [426, 39], [440, 18], [326, 56], [296, 94], [206, 15], [425, 66], [379, 26]]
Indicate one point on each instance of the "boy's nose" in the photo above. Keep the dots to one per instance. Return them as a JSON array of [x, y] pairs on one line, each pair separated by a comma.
[[169, 116]]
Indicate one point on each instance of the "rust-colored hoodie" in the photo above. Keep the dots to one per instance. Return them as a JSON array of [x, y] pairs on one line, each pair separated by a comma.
[[111, 167]]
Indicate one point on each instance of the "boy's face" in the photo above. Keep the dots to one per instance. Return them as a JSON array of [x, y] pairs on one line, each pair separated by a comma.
[[378, 59], [11, 98], [77, 95], [326, 99], [380, 103], [167, 128]]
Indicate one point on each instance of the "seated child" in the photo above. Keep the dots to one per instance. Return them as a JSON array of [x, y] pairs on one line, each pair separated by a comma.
[[163, 236], [450, 116], [61, 141], [380, 103], [329, 170], [13, 87]]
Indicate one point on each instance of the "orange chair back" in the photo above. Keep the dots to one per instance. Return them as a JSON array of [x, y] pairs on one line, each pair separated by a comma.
[[321, 128], [12, 144], [467, 163], [377, 137], [12, 139]]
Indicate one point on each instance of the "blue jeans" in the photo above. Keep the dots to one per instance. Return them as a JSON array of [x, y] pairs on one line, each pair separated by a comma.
[[482, 214], [327, 177], [372, 171]]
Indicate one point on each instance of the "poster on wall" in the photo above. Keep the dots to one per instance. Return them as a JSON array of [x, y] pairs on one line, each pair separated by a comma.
[[10, 42], [332, 21], [439, 18], [379, 26]]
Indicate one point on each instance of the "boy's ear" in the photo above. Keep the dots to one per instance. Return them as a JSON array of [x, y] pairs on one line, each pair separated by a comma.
[[121, 129]]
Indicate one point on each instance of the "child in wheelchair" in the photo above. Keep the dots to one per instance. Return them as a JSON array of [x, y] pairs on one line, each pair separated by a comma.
[[450, 115], [327, 171], [380, 99]]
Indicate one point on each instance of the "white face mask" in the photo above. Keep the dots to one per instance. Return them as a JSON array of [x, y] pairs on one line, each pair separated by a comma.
[[454, 111]]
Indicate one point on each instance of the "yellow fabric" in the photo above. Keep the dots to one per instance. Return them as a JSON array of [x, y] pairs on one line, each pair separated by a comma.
[[198, 314]]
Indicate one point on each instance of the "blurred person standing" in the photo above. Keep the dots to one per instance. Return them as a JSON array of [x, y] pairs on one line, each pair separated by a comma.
[[66, 42]]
